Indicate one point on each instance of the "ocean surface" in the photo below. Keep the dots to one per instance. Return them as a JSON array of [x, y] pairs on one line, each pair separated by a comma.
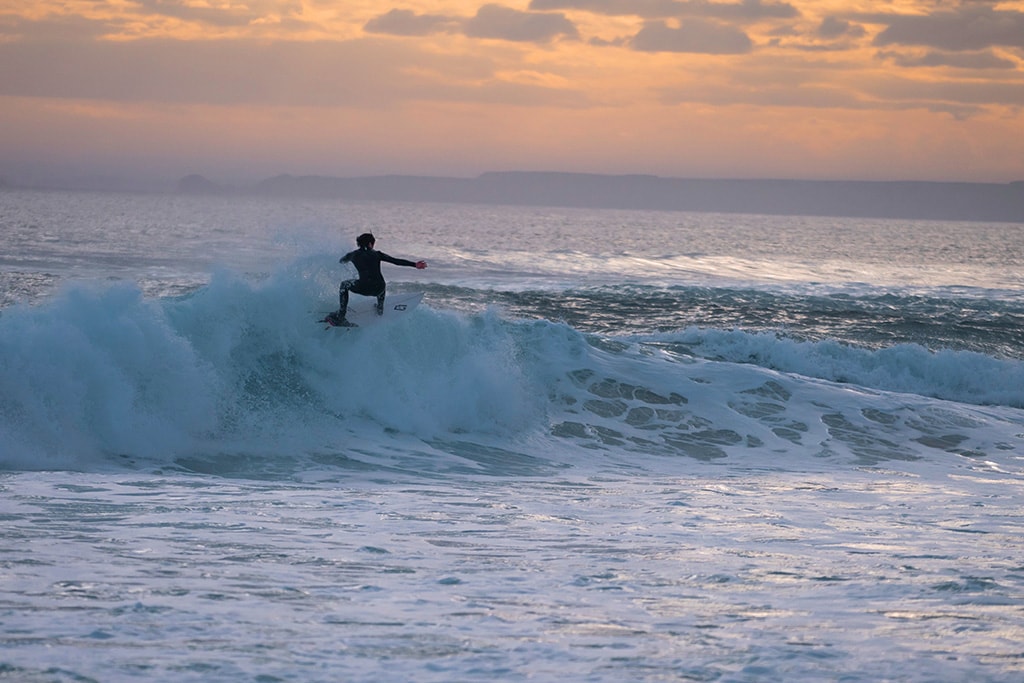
[[609, 446]]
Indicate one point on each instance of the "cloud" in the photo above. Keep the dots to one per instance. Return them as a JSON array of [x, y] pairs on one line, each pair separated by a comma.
[[364, 73], [505, 23], [966, 29], [210, 72], [772, 95], [56, 29], [959, 60], [778, 86], [148, 18], [403, 22], [833, 34], [229, 15], [892, 96], [744, 11], [963, 92], [835, 27], [630, 8], [490, 21], [695, 36]]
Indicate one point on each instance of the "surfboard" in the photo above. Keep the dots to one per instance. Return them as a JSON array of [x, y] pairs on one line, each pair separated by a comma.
[[362, 310]]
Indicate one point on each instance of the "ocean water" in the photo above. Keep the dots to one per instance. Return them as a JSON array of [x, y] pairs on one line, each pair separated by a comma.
[[609, 446]]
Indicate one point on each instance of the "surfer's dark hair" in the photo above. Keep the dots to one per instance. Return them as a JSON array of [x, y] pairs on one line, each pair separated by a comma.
[[365, 240]]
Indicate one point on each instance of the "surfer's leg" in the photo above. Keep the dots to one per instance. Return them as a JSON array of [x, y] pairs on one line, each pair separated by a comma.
[[343, 297], [380, 301]]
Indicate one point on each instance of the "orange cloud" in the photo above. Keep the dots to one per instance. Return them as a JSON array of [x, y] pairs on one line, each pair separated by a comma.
[[666, 86]]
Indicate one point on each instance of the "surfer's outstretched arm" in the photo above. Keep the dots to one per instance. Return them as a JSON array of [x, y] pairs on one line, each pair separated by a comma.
[[402, 262]]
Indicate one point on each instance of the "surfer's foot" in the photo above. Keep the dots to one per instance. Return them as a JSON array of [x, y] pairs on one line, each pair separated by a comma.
[[337, 320]]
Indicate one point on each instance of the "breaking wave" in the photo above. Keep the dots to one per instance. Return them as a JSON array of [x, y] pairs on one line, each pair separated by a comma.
[[236, 376]]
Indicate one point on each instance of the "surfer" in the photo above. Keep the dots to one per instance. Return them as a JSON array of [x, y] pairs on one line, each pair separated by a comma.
[[370, 282]]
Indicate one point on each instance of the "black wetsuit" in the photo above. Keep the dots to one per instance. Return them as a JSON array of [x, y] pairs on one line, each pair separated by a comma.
[[371, 282]]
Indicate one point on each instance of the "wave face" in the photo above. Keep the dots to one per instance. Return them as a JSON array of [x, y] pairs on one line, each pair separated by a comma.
[[236, 376]]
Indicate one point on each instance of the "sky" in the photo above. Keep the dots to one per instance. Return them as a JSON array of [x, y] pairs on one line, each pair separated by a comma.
[[242, 90]]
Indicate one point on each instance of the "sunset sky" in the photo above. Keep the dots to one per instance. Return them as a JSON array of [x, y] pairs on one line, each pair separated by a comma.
[[245, 89]]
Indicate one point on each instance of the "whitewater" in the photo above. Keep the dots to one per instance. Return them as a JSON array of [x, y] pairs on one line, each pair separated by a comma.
[[608, 446]]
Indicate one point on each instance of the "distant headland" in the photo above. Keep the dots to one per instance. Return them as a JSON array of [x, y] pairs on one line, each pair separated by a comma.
[[860, 199]]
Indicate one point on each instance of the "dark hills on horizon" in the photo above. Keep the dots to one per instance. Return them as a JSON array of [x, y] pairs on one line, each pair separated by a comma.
[[859, 199]]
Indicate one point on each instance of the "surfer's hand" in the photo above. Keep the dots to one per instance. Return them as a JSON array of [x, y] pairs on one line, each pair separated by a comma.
[[421, 264]]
